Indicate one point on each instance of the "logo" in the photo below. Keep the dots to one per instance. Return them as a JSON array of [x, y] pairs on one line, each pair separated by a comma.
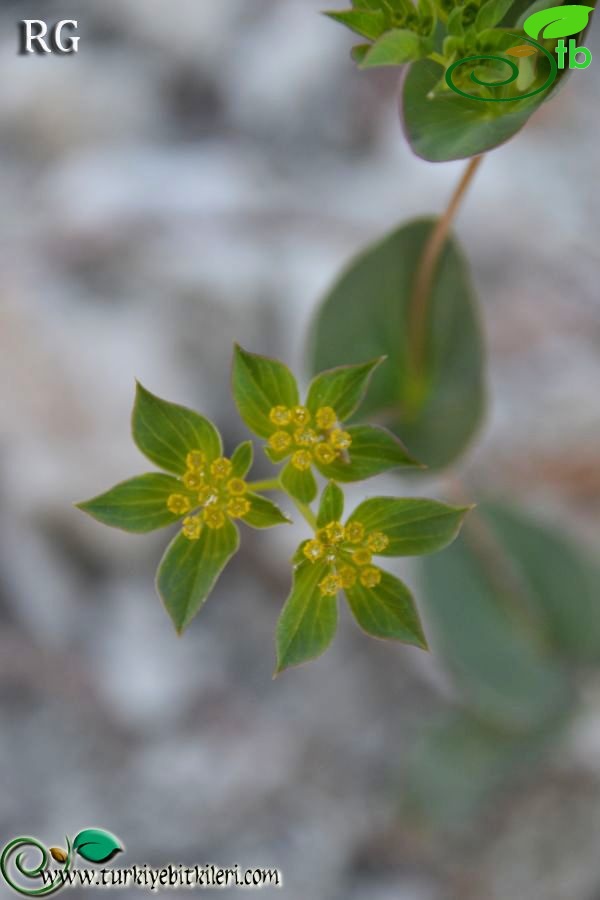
[[36, 37], [92, 844], [546, 24], [33, 870]]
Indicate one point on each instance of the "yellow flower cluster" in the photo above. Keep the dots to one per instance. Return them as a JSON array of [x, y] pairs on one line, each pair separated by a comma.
[[307, 440], [349, 550], [220, 496]]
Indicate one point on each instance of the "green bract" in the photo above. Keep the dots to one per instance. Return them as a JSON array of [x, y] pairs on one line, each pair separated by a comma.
[[267, 398], [207, 493], [341, 557]]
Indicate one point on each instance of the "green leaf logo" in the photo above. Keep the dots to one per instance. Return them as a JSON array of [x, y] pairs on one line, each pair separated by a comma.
[[558, 21], [97, 846]]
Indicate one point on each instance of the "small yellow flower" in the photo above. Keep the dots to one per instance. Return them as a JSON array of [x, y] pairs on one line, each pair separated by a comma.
[[300, 415], [355, 532], [370, 577], [348, 576], [193, 480], [205, 492], [280, 415], [361, 557], [280, 441], [178, 504], [378, 542], [196, 460], [313, 550], [339, 439], [330, 585], [325, 453], [237, 487], [192, 528], [221, 468], [335, 532], [214, 517], [238, 507], [326, 417], [302, 459], [305, 437]]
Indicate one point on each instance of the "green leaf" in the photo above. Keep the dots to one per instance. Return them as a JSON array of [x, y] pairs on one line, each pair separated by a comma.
[[242, 459], [413, 526], [342, 388], [374, 450], [442, 125], [264, 513], [395, 48], [301, 485], [298, 556], [387, 611], [259, 384], [96, 845], [331, 507], [428, 12], [558, 22], [561, 584], [189, 570], [437, 410], [492, 13], [166, 432], [454, 25], [359, 51], [138, 505], [308, 620], [368, 24], [478, 619]]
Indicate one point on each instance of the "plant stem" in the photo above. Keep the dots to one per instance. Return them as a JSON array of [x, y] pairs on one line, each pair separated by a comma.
[[274, 484], [438, 58], [270, 484], [423, 283], [304, 510]]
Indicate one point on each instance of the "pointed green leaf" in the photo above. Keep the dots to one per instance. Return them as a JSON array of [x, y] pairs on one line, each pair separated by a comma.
[[264, 513], [166, 432], [308, 620], [387, 611], [189, 570], [138, 505], [298, 556], [395, 48], [427, 15], [259, 384], [96, 845], [436, 413], [359, 51], [301, 485], [342, 388], [413, 526], [454, 25], [558, 22], [331, 507], [368, 24], [242, 459], [492, 13], [374, 450]]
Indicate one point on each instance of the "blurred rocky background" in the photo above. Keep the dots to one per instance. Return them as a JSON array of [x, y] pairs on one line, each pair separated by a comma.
[[199, 173]]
